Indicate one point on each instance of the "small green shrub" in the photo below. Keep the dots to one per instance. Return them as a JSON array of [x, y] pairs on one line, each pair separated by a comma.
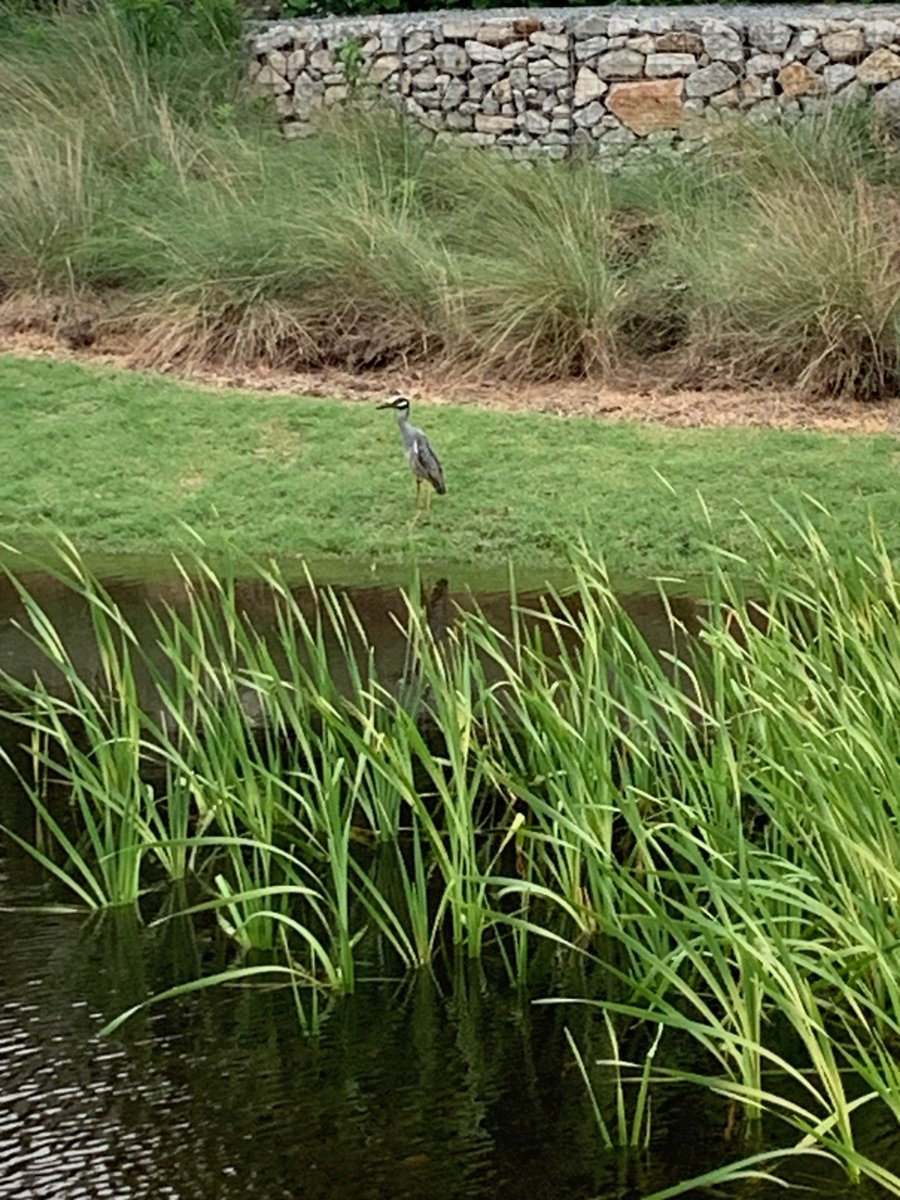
[[349, 55]]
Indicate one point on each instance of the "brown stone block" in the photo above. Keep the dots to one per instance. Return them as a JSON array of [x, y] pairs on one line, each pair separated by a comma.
[[798, 80], [882, 66], [679, 41], [647, 105]]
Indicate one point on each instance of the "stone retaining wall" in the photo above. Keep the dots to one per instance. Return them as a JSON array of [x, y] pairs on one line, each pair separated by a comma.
[[552, 81]]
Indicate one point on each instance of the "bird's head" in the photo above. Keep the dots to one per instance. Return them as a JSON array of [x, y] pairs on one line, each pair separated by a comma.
[[400, 404]]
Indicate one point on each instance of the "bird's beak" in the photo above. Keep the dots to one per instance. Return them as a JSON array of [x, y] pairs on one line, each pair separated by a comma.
[[385, 404]]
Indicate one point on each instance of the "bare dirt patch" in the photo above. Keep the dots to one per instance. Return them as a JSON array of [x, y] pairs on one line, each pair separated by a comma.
[[278, 443], [634, 400], [192, 483]]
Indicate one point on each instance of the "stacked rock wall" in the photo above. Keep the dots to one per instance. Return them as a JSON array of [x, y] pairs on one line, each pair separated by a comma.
[[553, 81]]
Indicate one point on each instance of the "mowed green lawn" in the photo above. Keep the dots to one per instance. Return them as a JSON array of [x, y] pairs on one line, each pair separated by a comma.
[[122, 461]]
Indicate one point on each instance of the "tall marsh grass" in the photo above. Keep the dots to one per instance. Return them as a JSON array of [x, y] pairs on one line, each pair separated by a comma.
[[710, 840], [140, 182]]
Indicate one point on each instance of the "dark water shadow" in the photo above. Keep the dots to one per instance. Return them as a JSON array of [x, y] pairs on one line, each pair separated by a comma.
[[427, 1090]]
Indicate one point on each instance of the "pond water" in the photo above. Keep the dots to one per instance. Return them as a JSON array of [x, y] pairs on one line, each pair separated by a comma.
[[382, 610], [431, 1089]]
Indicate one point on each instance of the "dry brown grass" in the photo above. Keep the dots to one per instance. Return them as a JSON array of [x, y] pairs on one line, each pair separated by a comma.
[[632, 396], [274, 335]]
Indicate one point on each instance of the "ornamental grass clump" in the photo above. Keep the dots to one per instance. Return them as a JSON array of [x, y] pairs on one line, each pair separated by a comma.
[[541, 282], [799, 283], [267, 257]]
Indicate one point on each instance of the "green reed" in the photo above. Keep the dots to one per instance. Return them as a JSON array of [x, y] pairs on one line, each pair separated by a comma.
[[709, 827], [86, 738]]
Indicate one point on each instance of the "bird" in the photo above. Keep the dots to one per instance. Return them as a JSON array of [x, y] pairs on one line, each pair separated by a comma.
[[423, 462]]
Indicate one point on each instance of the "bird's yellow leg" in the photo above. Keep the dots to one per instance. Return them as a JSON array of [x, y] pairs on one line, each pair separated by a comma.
[[417, 507]]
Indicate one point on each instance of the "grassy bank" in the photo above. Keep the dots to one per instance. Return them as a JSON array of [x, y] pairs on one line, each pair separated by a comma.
[[141, 190], [120, 460], [708, 861]]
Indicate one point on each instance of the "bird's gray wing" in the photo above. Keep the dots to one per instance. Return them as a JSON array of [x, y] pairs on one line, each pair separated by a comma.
[[429, 464]]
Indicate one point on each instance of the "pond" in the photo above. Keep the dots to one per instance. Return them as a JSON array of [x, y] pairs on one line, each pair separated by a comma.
[[442, 1084], [382, 609]]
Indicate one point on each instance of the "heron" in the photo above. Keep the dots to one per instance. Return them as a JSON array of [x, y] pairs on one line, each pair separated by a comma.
[[423, 462]]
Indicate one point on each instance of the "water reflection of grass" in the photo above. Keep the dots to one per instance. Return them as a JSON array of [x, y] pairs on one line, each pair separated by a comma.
[[105, 455], [715, 839]]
